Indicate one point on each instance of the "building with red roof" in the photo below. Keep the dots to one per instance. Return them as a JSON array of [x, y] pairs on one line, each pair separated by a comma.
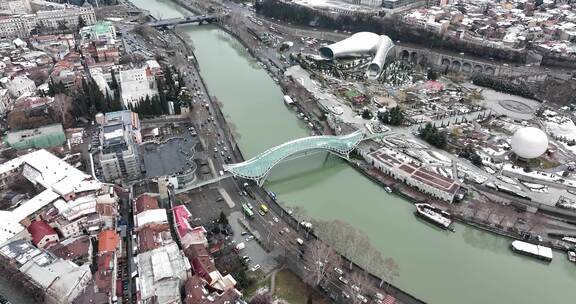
[[43, 235], [197, 293], [181, 216], [145, 202], [107, 241]]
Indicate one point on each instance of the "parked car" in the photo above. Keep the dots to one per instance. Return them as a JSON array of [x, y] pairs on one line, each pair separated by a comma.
[[343, 280], [249, 238], [255, 267], [338, 271]]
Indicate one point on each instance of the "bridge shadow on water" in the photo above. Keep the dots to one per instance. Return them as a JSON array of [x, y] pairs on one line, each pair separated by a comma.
[[305, 172]]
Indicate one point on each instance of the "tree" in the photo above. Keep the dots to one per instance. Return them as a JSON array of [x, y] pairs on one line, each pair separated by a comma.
[[431, 75], [469, 153], [17, 120], [360, 280], [309, 301], [433, 136], [394, 116], [81, 22], [223, 219], [366, 114], [62, 105], [261, 299], [320, 258], [392, 270]]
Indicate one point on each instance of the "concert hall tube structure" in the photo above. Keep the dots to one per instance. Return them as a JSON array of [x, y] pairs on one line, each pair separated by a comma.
[[361, 44]]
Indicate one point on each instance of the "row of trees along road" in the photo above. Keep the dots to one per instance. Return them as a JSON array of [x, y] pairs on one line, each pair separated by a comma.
[[339, 238]]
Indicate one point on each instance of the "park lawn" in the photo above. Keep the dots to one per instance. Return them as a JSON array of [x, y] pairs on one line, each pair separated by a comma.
[[290, 288], [250, 291]]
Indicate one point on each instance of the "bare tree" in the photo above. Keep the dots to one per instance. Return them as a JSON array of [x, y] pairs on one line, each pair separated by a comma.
[[62, 106], [261, 299], [392, 271], [320, 257], [359, 284]]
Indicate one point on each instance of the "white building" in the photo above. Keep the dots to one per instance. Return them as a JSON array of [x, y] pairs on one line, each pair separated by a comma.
[[402, 168], [136, 84], [61, 280], [12, 7], [161, 274], [16, 25], [60, 181], [68, 16], [21, 25], [100, 79], [18, 86]]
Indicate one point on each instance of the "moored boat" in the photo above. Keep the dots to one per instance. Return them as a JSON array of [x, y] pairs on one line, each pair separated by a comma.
[[537, 251], [434, 215], [572, 256]]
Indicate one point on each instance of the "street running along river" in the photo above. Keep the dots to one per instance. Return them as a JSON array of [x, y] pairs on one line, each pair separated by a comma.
[[466, 267]]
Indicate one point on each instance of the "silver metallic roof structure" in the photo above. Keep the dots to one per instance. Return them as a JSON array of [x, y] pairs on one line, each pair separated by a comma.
[[258, 167], [361, 44]]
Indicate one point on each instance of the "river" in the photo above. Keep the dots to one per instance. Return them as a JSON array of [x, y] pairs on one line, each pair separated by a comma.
[[469, 266]]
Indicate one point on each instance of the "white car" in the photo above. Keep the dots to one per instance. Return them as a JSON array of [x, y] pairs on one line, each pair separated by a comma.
[[255, 267], [343, 280], [355, 288], [362, 298], [249, 238], [275, 219], [338, 271]]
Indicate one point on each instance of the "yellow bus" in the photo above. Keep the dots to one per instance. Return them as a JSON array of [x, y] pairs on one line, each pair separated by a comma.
[[264, 208]]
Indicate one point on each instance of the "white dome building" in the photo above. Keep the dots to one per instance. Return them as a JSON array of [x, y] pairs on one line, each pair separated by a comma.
[[529, 142]]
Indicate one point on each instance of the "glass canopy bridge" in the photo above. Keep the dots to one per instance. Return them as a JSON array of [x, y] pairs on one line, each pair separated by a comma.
[[258, 167]]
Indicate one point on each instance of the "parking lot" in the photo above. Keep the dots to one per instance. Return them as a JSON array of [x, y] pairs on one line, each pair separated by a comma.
[[169, 157], [204, 204], [253, 250]]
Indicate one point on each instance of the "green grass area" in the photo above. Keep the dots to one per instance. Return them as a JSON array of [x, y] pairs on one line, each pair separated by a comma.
[[249, 292], [352, 93], [290, 288]]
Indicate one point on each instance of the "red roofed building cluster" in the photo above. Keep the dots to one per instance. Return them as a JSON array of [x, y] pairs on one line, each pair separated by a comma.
[[208, 285], [161, 266]]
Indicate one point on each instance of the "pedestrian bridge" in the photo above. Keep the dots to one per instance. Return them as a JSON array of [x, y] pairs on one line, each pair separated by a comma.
[[258, 167], [183, 20]]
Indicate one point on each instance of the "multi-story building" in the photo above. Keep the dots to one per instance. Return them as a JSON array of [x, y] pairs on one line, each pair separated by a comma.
[[15, 7], [402, 168], [22, 25], [18, 85], [137, 84], [119, 154], [102, 30], [60, 280], [68, 16]]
